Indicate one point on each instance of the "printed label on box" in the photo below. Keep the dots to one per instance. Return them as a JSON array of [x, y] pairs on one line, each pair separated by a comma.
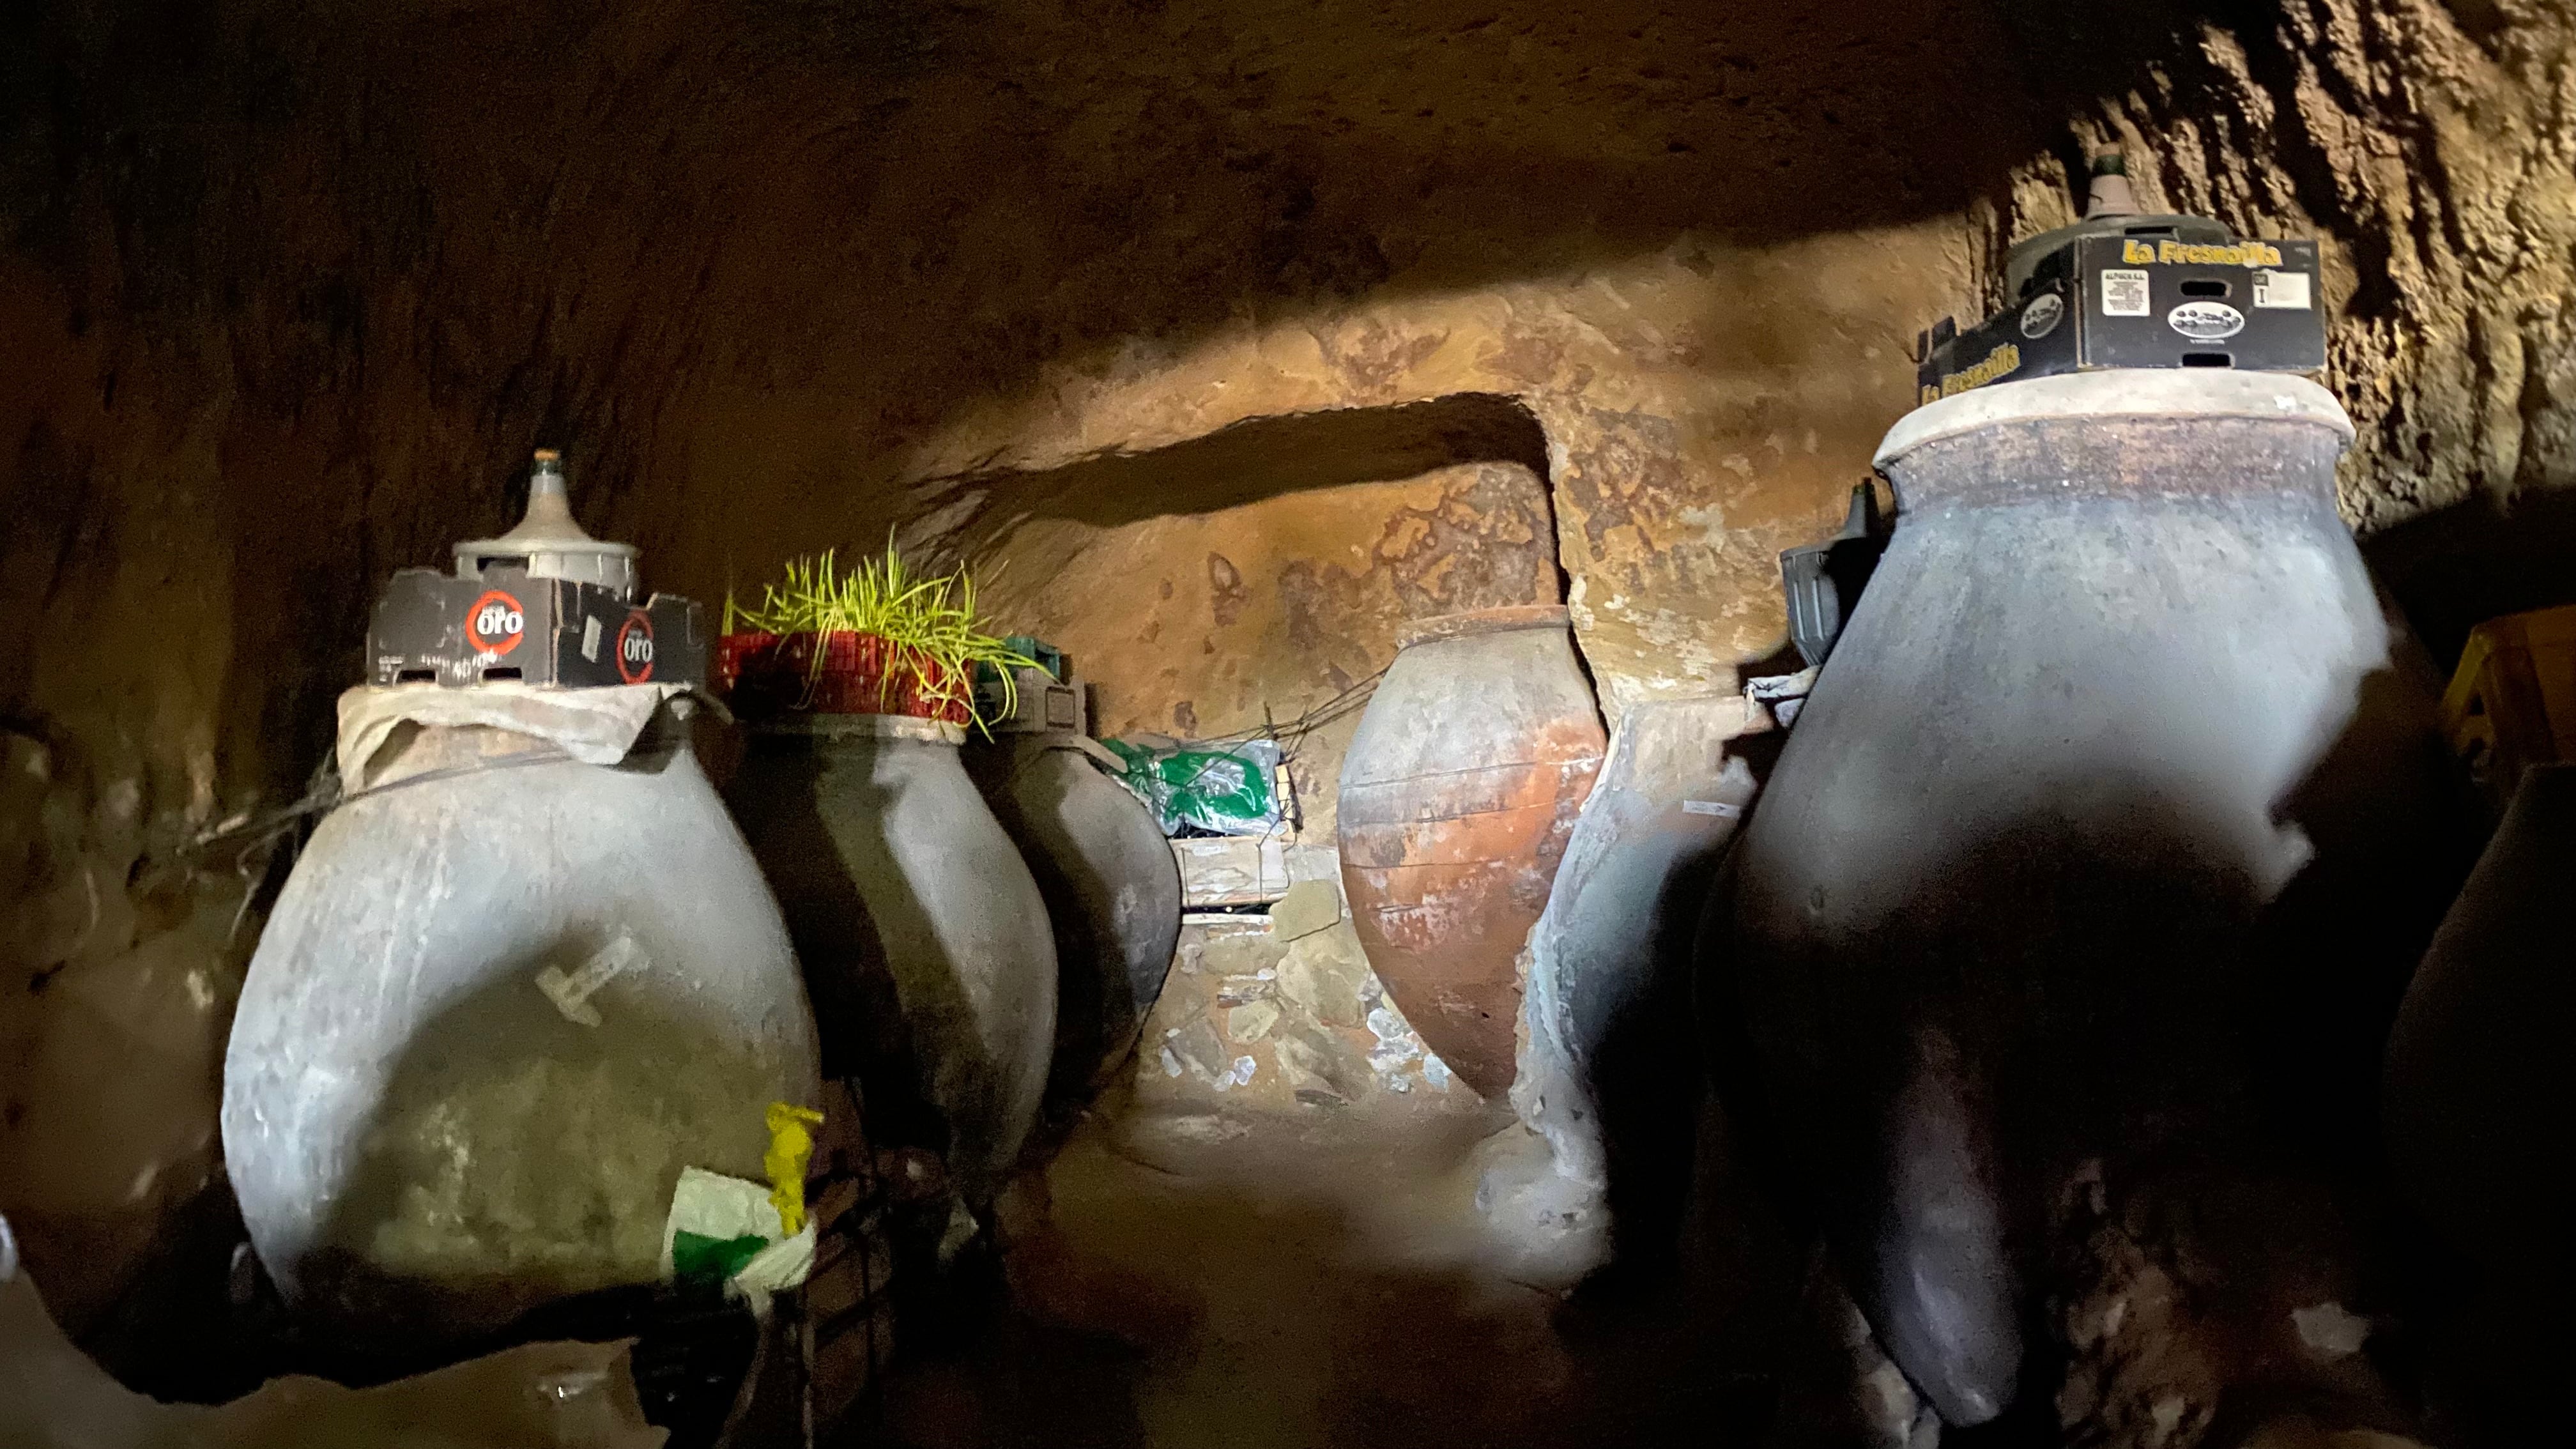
[[635, 648], [2206, 321], [496, 623], [2125, 294], [2040, 317], [2286, 291]]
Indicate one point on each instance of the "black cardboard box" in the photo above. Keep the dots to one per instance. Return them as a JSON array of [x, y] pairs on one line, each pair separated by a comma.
[[2111, 301], [431, 627], [1039, 702]]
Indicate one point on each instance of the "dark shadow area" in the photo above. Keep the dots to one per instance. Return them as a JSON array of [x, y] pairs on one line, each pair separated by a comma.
[[196, 1326], [2343, 938], [1450, 145], [1113, 896], [796, 797], [1824, 580], [2456, 568], [2100, 1008], [1246, 462], [1234, 1295], [1645, 1073], [875, 862], [1016, 1383], [1611, 973], [2057, 998], [693, 1349], [2479, 1092]]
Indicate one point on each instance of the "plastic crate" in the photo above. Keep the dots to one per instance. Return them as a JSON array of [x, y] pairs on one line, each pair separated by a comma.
[[1048, 657], [2512, 701], [762, 676]]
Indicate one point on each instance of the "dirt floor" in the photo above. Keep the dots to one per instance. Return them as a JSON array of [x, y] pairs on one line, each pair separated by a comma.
[[1196, 1280]]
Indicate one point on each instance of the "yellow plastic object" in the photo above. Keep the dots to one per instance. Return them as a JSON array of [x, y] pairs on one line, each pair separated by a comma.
[[2512, 701], [790, 1146]]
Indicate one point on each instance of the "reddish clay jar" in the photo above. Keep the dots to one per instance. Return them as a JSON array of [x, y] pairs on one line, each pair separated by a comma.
[[762, 676], [1457, 798]]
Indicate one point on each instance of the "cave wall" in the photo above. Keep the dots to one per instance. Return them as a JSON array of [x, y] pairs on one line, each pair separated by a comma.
[[290, 292], [272, 331], [1669, 423], [1692, 412], [2430, 146], [1107, 296]]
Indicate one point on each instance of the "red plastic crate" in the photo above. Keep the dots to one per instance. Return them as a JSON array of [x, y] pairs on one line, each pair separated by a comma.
[[765, 675]]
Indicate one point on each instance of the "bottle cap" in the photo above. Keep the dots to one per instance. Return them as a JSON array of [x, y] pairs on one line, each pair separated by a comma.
[[548, 543], [2110, 194]]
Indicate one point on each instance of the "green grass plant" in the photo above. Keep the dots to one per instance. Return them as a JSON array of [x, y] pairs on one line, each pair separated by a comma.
[[928, 621]]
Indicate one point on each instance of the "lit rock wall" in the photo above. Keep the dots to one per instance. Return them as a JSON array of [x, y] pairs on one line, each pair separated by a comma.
[[1688, 413], [1253, 1023], [2431, 150]]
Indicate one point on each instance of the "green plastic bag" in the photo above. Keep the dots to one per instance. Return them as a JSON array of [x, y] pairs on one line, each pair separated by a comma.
[[1226, 789], [697, 1258]]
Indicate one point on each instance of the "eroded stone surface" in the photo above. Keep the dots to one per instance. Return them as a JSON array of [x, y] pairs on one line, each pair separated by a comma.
[[1250, 1027], [2430, 149]]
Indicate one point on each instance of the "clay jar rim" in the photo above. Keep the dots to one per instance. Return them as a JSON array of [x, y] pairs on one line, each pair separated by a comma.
[[920, 729], [2120, 394], [1503, 619]]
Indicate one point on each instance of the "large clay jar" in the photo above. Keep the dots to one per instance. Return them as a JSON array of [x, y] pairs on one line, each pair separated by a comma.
[[1457, 798], [2479, 1092], [1609, 1074], [503, 1000], [924, 939], [1112, 889], [2105, 799]]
